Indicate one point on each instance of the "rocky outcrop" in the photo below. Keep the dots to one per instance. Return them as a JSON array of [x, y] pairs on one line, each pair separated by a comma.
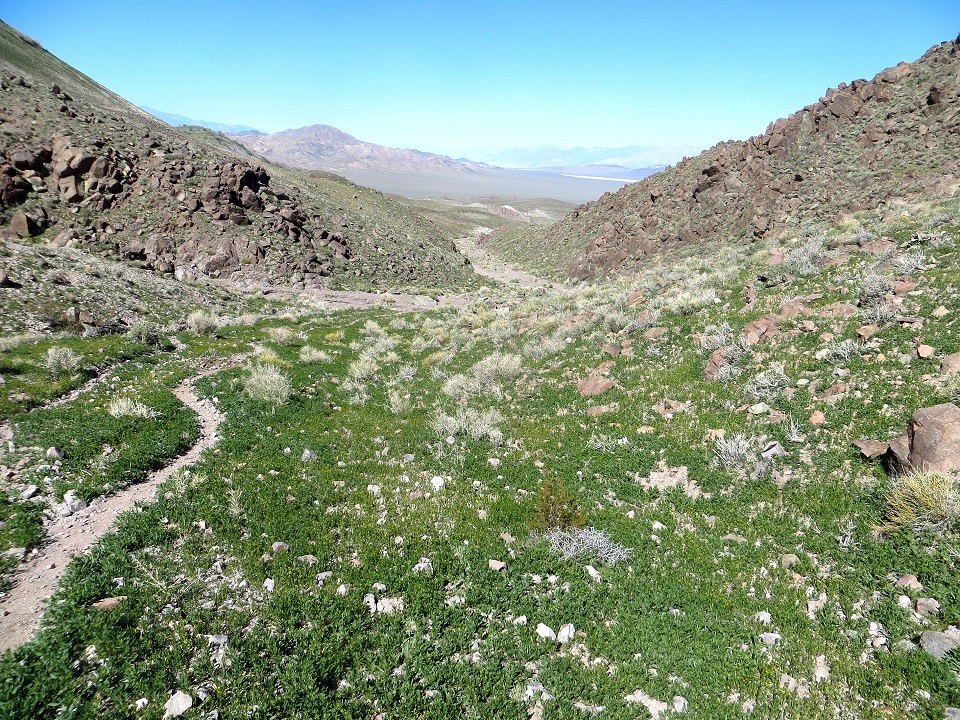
[[863, 145], [931, 443]]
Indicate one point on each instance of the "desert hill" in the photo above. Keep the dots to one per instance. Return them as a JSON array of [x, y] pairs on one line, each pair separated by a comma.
[[866, 145], [417, 174], [83, 168]]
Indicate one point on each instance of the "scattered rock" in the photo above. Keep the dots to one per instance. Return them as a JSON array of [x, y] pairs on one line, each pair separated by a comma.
[[654, 707], [939, 644], [928, 607], [497, 565], [909, 582], [593, 573], [546, 632], [925, 352], [788, 560], [770, 638], [871, 448], [950, 365], [817, 418], [279, 547], [177, 705], [108, 603], [308, 455], [29, 492], [567, 631]]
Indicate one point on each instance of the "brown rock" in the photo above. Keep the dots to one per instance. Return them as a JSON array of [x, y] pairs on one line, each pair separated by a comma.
[[23, 225], [871, 448], [764, 328], [597, 410], [902, 287], [612, 350], [714, 364], [594, 385], [867, 331], [934, 435], [109, 603], [818, 418], [950, 365], [925, 352], [654, 333]]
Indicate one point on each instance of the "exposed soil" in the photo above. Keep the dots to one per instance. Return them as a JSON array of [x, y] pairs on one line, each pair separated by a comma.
[[492, 267], [36, 579]]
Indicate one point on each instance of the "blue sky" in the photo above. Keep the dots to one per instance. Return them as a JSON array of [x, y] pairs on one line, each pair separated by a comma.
[[453, 76]]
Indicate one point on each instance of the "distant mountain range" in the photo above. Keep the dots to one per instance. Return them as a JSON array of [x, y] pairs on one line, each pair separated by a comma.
[[175, 120], [531, 173], [631, 156]]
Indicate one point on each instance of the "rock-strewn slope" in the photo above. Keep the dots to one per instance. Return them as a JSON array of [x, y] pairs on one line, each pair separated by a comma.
[[864, 145], [84, 168]]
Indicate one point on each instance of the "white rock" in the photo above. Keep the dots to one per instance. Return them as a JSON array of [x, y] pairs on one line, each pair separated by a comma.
[[654, 707], [680, 704], [424, 566], [373, 490], [437, 482], [141, 704], [566, 633], [522, 620], [324, 576], [821, 671], [482, 514], [763, 617], [388, 606], [493, 462], [905, 602], [546, 632], [593, 573], [343, 589], [177, 705], [371, 602], [658, 526], [379, 586], [268, 584], [29, 492], [770, 638]]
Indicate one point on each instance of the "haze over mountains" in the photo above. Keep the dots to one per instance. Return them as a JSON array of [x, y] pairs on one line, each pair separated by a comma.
[[575, 175]]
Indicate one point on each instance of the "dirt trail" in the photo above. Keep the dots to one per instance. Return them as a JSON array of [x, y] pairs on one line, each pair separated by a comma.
[[489, 266], [483, 263], [36, 579]]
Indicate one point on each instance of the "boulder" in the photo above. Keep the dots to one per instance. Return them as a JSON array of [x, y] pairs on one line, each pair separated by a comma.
[[14, 189], [24, 225], [931, 443], [935, 438]]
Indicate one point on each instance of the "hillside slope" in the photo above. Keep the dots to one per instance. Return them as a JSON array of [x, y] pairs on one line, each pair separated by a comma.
[[864, 145], [81, 167]]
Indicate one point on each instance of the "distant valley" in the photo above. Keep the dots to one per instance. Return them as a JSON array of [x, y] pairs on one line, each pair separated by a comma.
[[578, 178]]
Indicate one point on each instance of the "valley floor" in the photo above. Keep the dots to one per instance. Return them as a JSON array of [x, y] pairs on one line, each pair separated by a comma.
[[633, 499]]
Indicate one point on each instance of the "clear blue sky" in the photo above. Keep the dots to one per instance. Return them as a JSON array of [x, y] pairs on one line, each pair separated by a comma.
[[448, 76]]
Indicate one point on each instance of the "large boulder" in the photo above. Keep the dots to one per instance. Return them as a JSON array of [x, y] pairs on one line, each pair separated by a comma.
[[931, 443]]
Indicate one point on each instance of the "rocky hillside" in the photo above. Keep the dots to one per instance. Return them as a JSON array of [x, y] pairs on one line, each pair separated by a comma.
[[322, 147], [81, 167], [866, 145]]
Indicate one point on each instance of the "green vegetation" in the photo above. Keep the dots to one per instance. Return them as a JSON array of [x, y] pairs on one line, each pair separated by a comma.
[[389, 532]]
